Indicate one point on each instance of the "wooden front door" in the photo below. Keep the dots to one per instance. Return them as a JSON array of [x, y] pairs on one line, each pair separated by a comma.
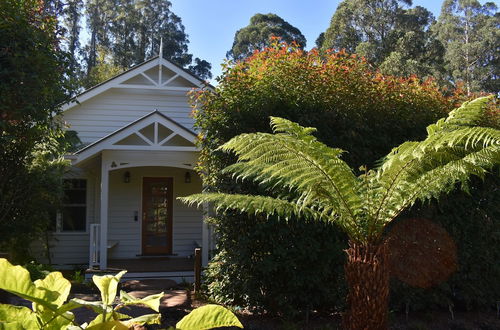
[[157, 215]]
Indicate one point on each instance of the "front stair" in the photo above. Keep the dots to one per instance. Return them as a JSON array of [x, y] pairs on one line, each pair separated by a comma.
[[179, 269]]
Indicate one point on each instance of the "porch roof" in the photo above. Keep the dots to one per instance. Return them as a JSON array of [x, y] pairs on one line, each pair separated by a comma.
[[153, 132]]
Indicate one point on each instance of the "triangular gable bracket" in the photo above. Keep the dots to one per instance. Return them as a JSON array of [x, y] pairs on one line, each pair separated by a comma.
[[156, 73], [153, 132]]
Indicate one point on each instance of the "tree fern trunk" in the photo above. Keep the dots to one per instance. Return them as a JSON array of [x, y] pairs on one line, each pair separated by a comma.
[[367, 275]]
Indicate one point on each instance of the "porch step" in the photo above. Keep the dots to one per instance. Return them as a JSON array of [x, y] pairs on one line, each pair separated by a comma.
[[176, 268], [177, 276]]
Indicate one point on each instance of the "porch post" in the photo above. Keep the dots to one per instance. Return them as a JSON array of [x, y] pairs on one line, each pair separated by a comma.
[[103, 258]]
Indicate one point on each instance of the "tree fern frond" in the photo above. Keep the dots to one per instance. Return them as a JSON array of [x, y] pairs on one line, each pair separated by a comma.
[[252, 205], [423, 185], [295, 160], [467, 115], [281, 125]]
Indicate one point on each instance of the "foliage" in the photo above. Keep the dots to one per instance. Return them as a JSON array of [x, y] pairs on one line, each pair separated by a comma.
[[50, 309], [471, 34], [32, 84], [348, 102], [103, 70], [474, 227], [315, 183], [308, 179], [130, 32], [472, 219], [393, 38], [257, 35], [201, 68], [276, 268], [208, 317], [37, 271]]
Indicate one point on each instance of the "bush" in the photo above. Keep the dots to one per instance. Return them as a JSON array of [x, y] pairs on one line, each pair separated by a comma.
[[473, 221], [37, 271], [285, 268], [278, 268]]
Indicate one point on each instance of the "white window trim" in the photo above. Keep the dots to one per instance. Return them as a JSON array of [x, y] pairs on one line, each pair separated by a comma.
[[59, 230]]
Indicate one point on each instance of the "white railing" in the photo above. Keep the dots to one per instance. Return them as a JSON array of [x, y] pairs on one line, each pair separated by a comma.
[[95, 245]]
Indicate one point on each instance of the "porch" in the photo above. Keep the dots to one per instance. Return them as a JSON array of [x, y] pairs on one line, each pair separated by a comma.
[[140, 171]]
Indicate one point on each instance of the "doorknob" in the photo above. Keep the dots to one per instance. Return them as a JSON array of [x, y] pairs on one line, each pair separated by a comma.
[[136, 215]]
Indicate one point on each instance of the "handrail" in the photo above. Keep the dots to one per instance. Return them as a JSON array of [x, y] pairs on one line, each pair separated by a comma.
[[95, 245]]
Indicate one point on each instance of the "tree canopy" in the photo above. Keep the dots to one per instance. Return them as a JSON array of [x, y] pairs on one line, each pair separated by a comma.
[[257, 35], [34, 79], [460, 47], [391, 36], [470, 33], [123, 33]]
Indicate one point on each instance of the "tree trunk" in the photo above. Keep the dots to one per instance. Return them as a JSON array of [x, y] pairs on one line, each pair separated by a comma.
[[367, 275]]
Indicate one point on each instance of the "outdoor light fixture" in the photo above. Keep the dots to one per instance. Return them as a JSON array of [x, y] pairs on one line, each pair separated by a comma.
[[187, 177], [126, 177]]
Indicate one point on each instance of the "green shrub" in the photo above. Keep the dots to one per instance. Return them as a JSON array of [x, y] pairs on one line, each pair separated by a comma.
[[281, 269], [287, 268], [473, 221], [37, 271]]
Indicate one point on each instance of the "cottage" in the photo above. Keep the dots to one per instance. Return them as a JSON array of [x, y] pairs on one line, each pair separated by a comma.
[[121, 208]]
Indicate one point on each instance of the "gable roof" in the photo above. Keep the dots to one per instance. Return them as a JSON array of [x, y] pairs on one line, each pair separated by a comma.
[[170, 76], [155, 131]]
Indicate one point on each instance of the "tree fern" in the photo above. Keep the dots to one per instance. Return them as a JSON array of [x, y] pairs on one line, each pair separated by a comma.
[[315, 183], [324, 187]]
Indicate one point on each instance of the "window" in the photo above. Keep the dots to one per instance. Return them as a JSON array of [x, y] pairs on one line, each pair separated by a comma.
[[73, 217]]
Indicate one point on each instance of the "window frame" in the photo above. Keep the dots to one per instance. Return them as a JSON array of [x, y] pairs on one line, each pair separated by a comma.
[[59, 214]]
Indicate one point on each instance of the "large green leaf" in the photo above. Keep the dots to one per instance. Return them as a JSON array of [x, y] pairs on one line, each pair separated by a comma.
[[55, 282], [16, 280], [208, 317], [17, 317], [152, 301], [143, 319], [108, 285], [110, 325], [56, 320]]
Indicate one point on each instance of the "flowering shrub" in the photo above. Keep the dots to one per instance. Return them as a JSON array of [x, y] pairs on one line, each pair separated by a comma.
[[287, 268]]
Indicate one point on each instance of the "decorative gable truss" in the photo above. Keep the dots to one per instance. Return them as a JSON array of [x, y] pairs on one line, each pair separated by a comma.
[[160, 77], [156, 73], [153, 132]]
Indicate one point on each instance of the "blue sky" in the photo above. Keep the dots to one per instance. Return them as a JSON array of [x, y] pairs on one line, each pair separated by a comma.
[[211, 25]]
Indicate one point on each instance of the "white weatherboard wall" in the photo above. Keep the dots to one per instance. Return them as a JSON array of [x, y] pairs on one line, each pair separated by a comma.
[[71, 248], [126, 198], [115, 108]]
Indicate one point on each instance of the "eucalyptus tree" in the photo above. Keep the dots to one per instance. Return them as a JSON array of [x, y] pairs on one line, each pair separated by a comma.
[[470, 33], [71, 17], [307, 179], [129, 31], [392, 36], [257, 34]]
